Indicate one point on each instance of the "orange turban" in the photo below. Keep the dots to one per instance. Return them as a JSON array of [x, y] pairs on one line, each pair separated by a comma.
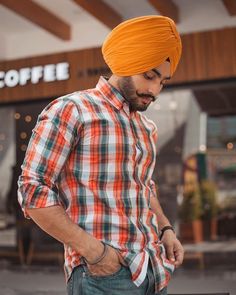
[[141, 44]]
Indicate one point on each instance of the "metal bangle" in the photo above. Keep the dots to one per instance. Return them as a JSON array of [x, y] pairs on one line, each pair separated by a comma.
[[100, 258]]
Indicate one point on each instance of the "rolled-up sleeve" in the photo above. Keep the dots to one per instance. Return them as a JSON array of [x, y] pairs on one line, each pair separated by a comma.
[[52, 140]]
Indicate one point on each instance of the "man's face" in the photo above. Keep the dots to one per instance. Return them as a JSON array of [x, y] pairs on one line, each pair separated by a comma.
[[140, 90]]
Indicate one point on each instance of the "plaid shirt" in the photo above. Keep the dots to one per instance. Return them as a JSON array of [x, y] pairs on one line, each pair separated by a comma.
[[100, 157]]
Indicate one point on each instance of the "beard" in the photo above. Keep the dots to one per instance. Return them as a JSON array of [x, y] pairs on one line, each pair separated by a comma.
[[131, 95]]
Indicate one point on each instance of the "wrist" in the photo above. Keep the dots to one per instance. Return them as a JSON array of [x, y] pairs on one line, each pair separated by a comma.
[[99, 258], [164, 229], [86, 245]]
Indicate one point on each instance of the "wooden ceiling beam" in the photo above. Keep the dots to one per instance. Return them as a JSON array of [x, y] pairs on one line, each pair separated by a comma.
[[166, 8], [230, 5], [102, 11], [40, 16]]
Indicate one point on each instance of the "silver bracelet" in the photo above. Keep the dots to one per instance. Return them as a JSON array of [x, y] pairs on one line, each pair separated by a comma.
[[100, 258]]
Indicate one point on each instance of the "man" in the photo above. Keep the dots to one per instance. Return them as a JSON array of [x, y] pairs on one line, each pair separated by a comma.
[[98, 150]]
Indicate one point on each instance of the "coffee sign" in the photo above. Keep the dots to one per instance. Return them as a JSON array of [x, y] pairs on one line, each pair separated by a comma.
[[33, 75]]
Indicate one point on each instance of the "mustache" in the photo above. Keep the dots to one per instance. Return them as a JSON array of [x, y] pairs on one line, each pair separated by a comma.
[[146, 95]]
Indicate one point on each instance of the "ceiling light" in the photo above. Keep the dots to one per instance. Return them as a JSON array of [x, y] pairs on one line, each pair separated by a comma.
[[230, 145], [202, 148], [28, 119], [17, 116]]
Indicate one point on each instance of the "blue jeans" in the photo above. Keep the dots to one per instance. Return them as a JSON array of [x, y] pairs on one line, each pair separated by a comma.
[[82, 282]]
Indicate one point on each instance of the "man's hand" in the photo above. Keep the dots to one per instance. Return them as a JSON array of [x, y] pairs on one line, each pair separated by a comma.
[[110, 264], [174, 249]]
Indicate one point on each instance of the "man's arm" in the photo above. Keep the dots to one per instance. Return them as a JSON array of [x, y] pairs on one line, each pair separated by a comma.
[[174, 249], [56, 223], [50, 146], [156, 208]]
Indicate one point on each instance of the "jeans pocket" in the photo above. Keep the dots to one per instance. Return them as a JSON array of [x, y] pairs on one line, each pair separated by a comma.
[[69, 286], [108, 276], [74, 284]]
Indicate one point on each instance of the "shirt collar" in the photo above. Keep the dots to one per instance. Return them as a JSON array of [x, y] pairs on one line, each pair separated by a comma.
[[110, 93]]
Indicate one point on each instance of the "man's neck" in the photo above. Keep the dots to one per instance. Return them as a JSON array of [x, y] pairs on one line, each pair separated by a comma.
[[113, 81]]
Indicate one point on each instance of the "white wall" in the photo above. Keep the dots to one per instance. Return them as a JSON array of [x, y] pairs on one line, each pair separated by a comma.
[[169, 112], [195, 134], [7, 156]]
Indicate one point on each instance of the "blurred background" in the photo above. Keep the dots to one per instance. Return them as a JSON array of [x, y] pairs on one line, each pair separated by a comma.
[[50, 48]]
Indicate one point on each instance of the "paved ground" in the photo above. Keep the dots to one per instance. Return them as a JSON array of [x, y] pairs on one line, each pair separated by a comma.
[[190, 281], [21, 281], [217, 275], [45, 282]]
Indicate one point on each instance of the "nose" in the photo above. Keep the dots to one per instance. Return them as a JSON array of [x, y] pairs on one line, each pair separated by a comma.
[[155, 89]]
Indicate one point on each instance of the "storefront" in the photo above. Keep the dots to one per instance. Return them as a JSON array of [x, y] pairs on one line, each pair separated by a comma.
[[28, 85]]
